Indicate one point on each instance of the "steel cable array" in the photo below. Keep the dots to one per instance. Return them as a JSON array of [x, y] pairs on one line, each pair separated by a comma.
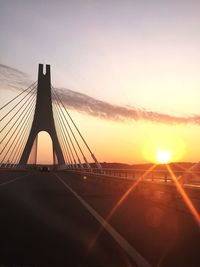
[[16, 120], [69, 135]]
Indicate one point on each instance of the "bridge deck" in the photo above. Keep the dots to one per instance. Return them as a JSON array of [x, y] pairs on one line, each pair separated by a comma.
[[43, 223]]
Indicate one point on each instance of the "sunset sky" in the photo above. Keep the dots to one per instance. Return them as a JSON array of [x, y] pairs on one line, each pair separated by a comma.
[[141, 55]]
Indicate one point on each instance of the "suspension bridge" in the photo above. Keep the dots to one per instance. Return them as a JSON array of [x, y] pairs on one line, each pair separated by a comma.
[[81, 213]]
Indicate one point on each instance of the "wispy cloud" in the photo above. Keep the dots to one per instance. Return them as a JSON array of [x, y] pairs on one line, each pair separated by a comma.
[[94, 107], [11, 78]]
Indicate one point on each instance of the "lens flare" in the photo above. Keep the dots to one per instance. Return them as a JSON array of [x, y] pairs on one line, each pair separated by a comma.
[[184, 196], [120, 202]]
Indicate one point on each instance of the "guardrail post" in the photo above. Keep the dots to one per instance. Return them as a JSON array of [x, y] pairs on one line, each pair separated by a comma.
[[165, 177]]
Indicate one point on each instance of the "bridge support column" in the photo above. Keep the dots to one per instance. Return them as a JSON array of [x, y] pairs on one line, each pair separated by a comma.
[[43, 118]]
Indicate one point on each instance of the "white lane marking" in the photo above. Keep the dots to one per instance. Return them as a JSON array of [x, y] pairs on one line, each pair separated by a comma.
[[138, 259], [13, 180]]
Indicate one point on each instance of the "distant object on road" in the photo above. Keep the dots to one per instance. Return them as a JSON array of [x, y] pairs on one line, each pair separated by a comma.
[[45, 169]]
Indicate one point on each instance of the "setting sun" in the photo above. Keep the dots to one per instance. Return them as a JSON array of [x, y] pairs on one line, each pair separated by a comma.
[[163, 156], [164, 144]]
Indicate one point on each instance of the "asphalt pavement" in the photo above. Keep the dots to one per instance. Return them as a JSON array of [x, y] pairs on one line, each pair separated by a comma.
[[59, 219]]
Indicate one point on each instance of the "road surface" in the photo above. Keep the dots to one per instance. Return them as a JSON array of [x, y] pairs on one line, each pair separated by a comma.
[[58, 219]]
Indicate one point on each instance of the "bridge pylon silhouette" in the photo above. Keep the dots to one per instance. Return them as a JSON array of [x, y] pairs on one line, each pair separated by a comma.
[[35, 109], [43, 118]]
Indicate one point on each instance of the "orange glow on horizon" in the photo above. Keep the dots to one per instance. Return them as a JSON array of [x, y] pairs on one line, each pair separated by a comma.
[[164, 146], [136, 142]]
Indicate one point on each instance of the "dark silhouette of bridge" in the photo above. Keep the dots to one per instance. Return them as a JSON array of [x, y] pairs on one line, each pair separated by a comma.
[[67, 150], [43, 117]]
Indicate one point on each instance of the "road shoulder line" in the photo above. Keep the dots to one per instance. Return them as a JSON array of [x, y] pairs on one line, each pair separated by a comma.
[[136, 257], [13, 180]]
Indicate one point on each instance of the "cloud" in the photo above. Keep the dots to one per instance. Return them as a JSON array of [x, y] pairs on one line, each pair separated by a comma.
[[11, 78], [94, 107]]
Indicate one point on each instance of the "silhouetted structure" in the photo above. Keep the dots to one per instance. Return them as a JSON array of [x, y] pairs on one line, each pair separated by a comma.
[[43, 117]]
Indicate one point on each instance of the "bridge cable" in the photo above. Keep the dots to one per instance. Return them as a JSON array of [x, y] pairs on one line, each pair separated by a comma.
[[69, 137], [18, 95], [65, 137], [16, 105], [23, 135], [65, 150], [23, 142], [87, 164], [18, 132], [92, 155], [60, 136], [14, 140], [26, 124], [12, 117], [23, 110]]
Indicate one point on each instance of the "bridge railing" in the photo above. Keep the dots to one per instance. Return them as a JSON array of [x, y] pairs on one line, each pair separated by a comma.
[[157, 185], [184, 176]]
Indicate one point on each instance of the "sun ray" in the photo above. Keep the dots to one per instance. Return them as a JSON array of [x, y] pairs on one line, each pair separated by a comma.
[[120, 201], [184, 196], [187, 171]]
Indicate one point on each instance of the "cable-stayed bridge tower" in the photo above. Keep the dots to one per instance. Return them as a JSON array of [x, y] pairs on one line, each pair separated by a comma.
[[35, 109], [43, 117]]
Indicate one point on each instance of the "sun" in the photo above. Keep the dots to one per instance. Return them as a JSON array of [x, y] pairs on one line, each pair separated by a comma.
[[163, 156]]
